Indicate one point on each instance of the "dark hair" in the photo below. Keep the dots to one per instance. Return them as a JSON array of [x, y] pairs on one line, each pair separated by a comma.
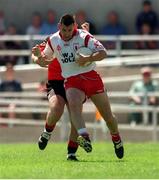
[[146, 2], [67, 19]]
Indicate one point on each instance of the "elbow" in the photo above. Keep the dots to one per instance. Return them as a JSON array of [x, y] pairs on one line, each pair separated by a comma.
[[103, 54]]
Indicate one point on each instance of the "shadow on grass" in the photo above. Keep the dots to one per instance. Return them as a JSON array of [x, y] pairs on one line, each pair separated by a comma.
[[100, 161]]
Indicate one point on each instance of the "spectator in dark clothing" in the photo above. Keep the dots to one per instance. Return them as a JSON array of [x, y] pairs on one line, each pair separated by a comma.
[[10, 84], [12, 45], [148, 16], [146, 30], [2, 23], [81, 18]]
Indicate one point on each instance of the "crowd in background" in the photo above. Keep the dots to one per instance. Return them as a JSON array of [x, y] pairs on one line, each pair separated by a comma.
[[147, 22]]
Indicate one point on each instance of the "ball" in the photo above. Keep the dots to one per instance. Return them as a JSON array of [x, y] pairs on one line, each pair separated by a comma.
[[84, 51]]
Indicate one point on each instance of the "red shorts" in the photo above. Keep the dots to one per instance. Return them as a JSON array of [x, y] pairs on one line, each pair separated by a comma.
[[90, 83]]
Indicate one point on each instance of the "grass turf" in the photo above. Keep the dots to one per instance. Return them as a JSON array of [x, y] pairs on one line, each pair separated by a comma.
[[26, 161]]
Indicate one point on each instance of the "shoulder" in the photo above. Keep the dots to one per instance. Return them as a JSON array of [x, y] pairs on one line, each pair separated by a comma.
[[82, 33], [54, 37]]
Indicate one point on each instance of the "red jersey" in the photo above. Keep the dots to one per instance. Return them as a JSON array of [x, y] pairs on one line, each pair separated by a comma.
[[54, 69]]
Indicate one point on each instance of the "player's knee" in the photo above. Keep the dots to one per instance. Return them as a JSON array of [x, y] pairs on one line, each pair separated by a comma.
[[56, 108]]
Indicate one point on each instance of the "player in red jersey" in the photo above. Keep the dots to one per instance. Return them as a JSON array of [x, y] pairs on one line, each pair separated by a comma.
[[81, 80], [57, 100]]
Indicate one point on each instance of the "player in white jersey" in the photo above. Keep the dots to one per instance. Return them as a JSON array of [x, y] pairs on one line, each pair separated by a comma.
[[81, 81]]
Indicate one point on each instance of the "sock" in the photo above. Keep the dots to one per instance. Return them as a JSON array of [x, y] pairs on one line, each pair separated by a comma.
[[72, 147], [82, 131], [115, 137], [49, 128]]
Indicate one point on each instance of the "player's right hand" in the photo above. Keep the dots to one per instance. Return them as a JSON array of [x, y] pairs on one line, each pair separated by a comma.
[[36, 51], [37, 57]]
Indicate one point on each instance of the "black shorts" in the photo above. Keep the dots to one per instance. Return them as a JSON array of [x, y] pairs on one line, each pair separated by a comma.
[[57, 86]]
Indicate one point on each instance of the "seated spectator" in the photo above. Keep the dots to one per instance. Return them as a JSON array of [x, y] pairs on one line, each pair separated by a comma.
[[146, 30], [148, 16], [35, 26], [2, 31], [81, 17], [2, 23], [12, 30], [50, 26], [10, 84], [146, 85], [113, 27]]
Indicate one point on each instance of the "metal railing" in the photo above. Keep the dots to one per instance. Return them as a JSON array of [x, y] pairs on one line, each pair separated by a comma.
[[118, 40], [37, 105]]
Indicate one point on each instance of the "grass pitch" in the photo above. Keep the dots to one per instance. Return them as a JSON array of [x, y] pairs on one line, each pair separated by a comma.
[[26, 161]]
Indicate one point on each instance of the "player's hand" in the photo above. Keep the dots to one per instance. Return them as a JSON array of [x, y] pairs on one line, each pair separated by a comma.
[[37, 57], [83, 60], [36, 51], [85, 26]]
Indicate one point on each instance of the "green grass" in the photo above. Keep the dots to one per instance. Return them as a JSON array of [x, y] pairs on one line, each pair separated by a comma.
[[26, 161]]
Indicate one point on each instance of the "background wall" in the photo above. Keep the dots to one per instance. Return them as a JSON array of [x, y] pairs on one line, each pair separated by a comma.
[[20, 11]]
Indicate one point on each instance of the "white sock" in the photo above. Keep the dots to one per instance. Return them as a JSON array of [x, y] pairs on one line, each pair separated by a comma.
[[47, 131], [82, 131]]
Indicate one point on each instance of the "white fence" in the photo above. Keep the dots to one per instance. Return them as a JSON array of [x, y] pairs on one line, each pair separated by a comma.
[[36, 105], [119, 51]]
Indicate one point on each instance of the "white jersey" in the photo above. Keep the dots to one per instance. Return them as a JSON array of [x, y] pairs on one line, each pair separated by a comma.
[[65, 51]]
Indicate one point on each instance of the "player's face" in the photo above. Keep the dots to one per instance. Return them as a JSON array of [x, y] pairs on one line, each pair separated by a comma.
[[67, 31]]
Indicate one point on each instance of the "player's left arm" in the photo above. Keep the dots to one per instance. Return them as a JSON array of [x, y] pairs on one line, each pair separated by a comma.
[[98, 52]]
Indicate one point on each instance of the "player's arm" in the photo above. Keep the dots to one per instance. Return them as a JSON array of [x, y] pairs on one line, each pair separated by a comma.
[[99, 52], [43, 58]]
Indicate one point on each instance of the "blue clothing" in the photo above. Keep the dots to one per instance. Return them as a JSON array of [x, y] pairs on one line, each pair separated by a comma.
[[48, 29], [148, 18], [10, 86], [117, 29]]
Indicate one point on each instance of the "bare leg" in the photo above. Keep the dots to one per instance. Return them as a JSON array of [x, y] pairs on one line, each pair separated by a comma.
[[75, 99], [102, 103], [56, 104]]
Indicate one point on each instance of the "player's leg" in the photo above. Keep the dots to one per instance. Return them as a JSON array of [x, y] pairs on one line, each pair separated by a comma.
[[75, 99], [72, 144], [56, 108], [57, 101], [102, 103]]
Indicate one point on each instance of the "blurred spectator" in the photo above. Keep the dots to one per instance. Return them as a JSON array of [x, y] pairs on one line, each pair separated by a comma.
[[148, 16], [50, 26], [12, 30], [81, 17], [113, 27], [2, 23], [35, 26], [10, 84], [2, 31], [146, 30], [146, 85]]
